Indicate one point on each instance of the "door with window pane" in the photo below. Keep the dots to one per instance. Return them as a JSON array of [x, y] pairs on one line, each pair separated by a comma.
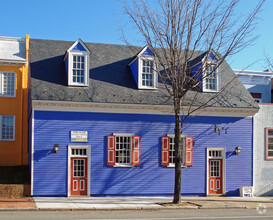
[[215, 176], [78, 176]]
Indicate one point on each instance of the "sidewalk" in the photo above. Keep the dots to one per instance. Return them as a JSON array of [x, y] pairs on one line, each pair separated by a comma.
[[129, 203]]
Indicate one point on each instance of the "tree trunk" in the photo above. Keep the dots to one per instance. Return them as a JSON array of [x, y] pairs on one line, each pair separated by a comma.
[[178, 149]]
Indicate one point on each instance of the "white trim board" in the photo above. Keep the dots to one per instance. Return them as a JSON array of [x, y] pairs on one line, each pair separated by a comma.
[[136, 108], [223, 149], [82, 146], [32, 152]]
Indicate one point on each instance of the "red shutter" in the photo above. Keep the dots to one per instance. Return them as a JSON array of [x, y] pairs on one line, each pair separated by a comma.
[[111, 142], [165, 150], [188, 151], [136, 151]]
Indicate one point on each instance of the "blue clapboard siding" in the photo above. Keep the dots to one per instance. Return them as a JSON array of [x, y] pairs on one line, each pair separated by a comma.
[[78, 47], [50, 169], [134, 69]]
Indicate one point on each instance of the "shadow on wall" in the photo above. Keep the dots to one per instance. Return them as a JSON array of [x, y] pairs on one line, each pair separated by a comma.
[[40, 154]]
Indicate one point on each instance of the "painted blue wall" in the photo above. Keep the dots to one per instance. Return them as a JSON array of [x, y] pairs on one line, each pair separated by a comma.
[[50, 169], [78, 47], [147, 52], [265, 91], [134, 69]]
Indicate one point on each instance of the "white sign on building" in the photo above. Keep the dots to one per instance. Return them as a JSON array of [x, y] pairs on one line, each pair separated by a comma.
[[79, 136]]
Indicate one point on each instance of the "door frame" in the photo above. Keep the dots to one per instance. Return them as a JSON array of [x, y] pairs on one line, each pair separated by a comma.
[[223, 157], [88, 150]]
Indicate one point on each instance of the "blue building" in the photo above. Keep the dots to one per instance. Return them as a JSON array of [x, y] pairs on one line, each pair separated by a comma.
[[258, 83], [103, 125]]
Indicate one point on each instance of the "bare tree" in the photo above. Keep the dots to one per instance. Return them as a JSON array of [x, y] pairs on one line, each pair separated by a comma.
[[269, 61], [177, 31]]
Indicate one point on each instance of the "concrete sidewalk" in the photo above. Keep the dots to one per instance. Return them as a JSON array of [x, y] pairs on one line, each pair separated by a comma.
[[106, 203], [129, 203]]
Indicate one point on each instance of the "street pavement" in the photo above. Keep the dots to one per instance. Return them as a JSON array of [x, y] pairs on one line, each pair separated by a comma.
[[134, 203]]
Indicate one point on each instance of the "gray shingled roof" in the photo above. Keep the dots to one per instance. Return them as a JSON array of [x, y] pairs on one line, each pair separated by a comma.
[[110, 78]]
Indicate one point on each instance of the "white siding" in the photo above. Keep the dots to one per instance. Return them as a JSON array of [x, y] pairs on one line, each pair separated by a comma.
[[263, 169]]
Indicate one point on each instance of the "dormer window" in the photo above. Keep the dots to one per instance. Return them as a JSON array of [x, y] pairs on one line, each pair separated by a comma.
[[143, 69], [77, 64], [148, 73], [78, 69], [210, 82]]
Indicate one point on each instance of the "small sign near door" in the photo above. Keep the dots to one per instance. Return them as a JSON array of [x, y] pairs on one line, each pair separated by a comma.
[[79, 136]]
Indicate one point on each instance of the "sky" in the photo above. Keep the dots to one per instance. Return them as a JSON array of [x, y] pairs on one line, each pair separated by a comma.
[[97, 21]]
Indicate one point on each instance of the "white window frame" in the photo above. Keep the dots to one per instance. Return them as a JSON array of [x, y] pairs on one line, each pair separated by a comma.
[[183, 136], [2, 86], [131, 148], [154, 74], [70, 68], [88, 156], [217, 81], [1, 139]]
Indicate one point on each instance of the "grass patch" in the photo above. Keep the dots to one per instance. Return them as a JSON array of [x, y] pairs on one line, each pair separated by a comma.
[[15, 175]]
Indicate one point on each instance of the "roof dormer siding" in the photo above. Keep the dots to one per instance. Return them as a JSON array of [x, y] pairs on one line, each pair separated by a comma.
[[134, 69]]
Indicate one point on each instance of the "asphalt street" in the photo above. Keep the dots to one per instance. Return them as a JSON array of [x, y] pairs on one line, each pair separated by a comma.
[[175, 214]]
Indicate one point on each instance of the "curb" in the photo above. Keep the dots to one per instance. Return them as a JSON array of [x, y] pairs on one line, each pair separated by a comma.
[[121, 208]]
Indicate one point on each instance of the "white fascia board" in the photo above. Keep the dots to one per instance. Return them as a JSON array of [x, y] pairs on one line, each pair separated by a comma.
[[137, 108], [253, 73], [81, 42], [138, 55], [13, 61], [12, 38]]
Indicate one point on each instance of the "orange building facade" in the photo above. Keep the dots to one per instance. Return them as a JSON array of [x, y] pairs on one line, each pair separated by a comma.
[[14, 89]]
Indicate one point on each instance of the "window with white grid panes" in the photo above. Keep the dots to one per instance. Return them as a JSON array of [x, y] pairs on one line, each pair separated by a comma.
[[7, 83], [215, 153], [7, 127], [147, 73], [172, 151], [211, 78], [123, 149], [269, 143], [79, 152], [215, 168], [78, 69], [78, 167]]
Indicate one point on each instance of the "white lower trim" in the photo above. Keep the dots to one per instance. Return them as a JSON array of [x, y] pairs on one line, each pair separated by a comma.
[[136, 108], [32, 152], [223, 157], [88, 149]]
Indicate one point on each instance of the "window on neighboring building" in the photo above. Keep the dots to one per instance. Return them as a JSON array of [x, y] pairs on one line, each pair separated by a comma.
[[7, 84], [257, 97], [269, 143], [210, 82], [78, 69], [7, 127]]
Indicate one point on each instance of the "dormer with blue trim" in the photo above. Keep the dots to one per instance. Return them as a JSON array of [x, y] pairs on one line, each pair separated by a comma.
[[143, 69], [77, 64], [206, 64]]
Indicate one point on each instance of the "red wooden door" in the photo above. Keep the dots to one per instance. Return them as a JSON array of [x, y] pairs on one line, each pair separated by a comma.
[[215, 176], [78, 176]]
